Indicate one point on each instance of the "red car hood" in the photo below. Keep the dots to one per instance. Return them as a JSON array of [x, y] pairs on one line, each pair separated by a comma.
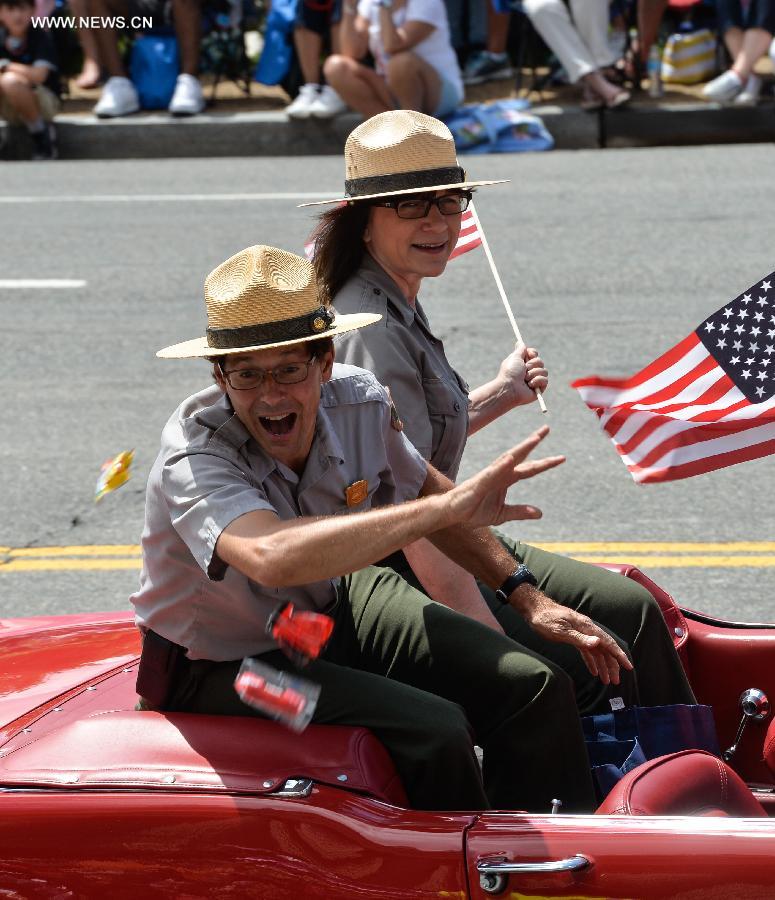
[[45, 657]]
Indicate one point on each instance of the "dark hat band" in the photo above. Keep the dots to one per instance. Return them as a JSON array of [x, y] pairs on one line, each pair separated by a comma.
[[312, 324], [404, 181]]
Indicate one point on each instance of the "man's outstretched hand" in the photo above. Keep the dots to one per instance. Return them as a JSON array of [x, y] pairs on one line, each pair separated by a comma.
[[481, 499]]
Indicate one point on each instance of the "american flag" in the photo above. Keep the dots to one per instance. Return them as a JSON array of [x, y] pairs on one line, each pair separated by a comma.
[[468, 239], [706, 404]]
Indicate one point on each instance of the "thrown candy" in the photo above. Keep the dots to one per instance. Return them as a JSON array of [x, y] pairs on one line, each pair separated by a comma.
[[113, 474]]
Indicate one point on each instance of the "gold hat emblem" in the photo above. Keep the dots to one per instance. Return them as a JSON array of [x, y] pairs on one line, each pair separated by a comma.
[[318, 324]]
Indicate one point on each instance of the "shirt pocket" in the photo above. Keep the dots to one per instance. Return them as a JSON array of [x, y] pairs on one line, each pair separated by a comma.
[[448, 415]]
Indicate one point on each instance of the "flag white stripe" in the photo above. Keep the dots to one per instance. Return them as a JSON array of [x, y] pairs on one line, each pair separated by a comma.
[[691, 392], [714, 447], [598, 395], [677, 425], [732, 397]]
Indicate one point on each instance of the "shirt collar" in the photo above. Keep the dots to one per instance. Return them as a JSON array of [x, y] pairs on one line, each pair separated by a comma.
[[373, 272], [227, 429]]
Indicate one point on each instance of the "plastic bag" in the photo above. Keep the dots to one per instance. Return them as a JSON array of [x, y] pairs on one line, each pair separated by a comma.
[[689, 57], [153, 67], [500, 127]]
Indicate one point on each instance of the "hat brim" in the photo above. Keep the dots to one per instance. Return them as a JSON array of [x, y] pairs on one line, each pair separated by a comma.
[[462, 185], [198, 347]]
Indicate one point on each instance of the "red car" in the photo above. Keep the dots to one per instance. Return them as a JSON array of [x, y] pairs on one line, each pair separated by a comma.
[[99, 800]]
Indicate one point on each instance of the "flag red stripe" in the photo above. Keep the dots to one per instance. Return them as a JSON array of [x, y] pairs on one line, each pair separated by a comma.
[[667, 393], [692, 437], [659, 418], [665, 361], [706, 464]]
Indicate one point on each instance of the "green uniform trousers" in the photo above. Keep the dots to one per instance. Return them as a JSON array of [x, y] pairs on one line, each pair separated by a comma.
[[430, 683]]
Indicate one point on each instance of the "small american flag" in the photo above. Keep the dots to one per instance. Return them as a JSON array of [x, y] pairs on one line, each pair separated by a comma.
[[706, 404], [468, 239]]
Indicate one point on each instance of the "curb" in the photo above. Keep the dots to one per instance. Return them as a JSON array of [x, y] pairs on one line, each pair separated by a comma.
[[157, 135]]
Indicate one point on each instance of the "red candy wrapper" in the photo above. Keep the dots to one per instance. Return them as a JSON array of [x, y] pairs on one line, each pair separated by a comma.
[[302, 635], [279, 695]]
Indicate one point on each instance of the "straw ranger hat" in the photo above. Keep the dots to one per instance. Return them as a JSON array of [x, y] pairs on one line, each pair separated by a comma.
[[264, 297], [400, 152]]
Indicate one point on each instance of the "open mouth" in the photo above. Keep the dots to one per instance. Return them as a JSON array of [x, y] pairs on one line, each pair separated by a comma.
[[278, 425], [432, 248]]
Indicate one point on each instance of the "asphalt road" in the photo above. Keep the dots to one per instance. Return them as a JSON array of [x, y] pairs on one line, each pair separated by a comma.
[[609, 258]]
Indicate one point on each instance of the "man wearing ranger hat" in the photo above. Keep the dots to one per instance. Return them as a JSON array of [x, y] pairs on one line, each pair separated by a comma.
[[287, 480]]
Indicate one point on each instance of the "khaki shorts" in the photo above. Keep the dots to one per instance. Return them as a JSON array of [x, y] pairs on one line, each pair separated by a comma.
[[50, 105]]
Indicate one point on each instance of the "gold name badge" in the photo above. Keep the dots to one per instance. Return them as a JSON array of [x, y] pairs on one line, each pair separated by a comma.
[[357, 492]]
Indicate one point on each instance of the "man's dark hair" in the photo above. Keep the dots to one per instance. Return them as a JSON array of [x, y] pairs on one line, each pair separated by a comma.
[[339, 245], [18, 4]]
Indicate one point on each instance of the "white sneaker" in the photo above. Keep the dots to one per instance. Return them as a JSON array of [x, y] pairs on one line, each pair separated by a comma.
[[301, 107], [118, 98], [723, 89], [749, 96], [188, 99], [327, 104]]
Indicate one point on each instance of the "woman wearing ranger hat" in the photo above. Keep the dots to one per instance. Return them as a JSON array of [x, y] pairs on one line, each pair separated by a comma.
[[396, 224], [284, 481]]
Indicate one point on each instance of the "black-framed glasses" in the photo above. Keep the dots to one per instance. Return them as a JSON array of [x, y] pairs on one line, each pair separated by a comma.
[[419, 207], [288, 373]]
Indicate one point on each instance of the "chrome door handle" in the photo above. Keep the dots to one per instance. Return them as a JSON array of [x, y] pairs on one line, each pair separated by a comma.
[[492, 873]]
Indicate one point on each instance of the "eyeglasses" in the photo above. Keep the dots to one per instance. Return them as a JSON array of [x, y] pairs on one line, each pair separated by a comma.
[[247, 379], [419, 207]]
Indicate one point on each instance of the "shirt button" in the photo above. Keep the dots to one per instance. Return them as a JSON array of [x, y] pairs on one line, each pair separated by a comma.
[[377, 291], [457, 406]]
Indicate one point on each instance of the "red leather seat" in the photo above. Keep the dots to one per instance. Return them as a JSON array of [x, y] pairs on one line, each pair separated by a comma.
[[689, 783], [213, 754]]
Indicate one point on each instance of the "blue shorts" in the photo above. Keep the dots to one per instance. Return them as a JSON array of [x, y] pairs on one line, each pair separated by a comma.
[[318, 15]]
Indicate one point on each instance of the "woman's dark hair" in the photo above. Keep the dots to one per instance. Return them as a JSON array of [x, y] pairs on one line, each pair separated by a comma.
[[339, 245]]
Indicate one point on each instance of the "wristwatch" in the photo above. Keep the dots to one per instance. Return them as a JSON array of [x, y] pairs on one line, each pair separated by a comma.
[[520, 575]]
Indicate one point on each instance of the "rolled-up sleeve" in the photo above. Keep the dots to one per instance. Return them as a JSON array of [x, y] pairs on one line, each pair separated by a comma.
[[205, 493]]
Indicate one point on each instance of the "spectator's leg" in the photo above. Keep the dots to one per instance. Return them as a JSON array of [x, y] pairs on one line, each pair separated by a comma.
[[733, 40], [90, 71], [187, 18], [360, 87], [650, 14], [591, 18], [552, 21], [497, 30], [106, 39], [755, 44], [20, 94], [413, 82], [309, 45]]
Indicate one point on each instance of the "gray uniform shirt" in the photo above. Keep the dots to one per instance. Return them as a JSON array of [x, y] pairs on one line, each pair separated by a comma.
[[405, 355], [210, 471]]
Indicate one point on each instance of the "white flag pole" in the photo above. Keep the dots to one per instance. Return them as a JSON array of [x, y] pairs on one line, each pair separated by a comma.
[[499, 284]]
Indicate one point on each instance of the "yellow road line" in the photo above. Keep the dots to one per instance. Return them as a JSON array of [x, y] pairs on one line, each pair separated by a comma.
[[50, 565], [674, 562], [84, 550], [644, 554], [658, 547]]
